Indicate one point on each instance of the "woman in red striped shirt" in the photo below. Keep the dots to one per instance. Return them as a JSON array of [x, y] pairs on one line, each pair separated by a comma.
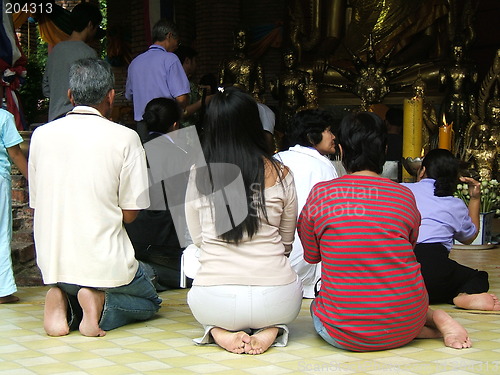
[[363, 227]]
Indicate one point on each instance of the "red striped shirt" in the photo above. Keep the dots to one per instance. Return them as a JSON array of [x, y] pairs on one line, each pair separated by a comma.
[[363, 229]]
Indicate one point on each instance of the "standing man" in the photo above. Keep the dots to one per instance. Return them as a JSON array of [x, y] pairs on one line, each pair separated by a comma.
[[158, 73], [85, 19], [87, 176]]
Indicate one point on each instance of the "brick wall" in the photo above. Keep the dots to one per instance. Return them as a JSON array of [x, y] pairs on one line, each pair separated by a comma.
[[26, 271]]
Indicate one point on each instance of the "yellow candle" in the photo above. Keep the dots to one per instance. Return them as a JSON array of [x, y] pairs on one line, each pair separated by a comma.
[[412, 127], [412, 131], [445, 136]]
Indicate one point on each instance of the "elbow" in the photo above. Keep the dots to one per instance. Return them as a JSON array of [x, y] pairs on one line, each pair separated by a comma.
[[129, 215], [469, 240]]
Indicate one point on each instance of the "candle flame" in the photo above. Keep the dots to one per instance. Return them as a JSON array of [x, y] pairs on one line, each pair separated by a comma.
[[444, 120]]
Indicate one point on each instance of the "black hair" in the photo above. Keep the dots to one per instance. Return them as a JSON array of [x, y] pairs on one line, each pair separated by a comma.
[[442, 166], [209, 79], [363, 138], [308, 127], [84, 13], [160, 114], [394, 116], [184, 52], [233, 135]]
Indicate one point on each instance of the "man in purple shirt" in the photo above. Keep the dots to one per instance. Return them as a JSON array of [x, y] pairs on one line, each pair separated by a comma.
[[157, 72]]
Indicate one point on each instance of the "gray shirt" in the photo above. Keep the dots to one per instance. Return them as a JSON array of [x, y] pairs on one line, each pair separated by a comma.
[[56, 77]]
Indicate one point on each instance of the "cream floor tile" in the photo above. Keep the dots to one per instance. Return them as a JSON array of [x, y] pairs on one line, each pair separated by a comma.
[[164, 345]]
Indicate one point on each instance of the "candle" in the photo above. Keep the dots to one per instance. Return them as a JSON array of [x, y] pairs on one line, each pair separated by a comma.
[[445, 135], [412, 131]]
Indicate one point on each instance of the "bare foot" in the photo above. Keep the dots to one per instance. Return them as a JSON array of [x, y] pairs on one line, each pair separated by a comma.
[[454, 335], [479, 301], [233, 342], [9, 299], [55, 321], [261, 341], [92, 303]]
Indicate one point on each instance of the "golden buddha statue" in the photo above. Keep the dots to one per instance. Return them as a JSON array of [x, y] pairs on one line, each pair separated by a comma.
[[493, 118], [415, 35], [289, 88], [485, 109], [311, 96], [242, 71], [483, 154], [460, 79], [372, 81]]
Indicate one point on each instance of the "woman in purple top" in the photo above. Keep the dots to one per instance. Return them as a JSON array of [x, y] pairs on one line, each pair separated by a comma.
[[445, 218]]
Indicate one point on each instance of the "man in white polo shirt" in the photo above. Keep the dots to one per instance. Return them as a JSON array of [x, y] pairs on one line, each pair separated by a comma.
[[87, 176]]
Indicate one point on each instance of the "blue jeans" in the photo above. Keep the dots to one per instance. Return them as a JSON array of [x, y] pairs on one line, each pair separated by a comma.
[[125, 304], [320, 328]]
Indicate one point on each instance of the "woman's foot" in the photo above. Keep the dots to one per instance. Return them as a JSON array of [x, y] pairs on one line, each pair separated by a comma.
[[92, 303], [233, 342], [9, 299], [479, 301], [261, 341], [454, 335], [55, 320]]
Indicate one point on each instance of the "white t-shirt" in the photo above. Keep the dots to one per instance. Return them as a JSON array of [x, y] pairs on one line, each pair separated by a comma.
[[308, 167], [83, 170], [267, 117]]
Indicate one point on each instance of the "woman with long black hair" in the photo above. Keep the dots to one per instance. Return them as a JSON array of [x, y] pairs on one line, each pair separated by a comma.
[[241, 211]]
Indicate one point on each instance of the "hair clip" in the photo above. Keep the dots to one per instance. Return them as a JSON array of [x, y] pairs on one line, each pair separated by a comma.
[[220, 89]]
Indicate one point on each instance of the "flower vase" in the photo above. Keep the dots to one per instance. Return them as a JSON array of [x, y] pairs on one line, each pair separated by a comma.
[[485, 228]]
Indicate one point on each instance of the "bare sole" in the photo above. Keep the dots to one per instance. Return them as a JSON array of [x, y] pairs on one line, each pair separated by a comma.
[[55, 321], [261, 341], [454, 335], [92, 303], [233, 342], [479, 301]]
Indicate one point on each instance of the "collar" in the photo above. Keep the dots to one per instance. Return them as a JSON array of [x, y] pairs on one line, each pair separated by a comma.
[[85, 110], [311, 151], [427, 181], [156, 46]]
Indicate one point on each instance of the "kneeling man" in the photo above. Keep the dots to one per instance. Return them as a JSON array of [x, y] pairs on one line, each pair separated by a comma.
[[87, 176]]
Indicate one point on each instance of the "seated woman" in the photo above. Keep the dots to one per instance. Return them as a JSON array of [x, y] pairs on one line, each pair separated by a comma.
[[241, 212], [445, 218], [313, 139], [153, 233], [363, 227]]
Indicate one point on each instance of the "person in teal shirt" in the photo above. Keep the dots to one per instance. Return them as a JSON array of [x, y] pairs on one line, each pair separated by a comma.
[[9, 151]]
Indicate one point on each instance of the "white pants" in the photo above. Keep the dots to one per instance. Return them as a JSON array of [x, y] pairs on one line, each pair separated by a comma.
[[246, 307]]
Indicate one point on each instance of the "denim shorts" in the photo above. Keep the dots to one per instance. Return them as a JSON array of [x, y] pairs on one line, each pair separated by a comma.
[[321, 330]]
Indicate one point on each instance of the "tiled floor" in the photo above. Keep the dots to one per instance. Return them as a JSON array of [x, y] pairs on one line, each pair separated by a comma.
[[163, 345]]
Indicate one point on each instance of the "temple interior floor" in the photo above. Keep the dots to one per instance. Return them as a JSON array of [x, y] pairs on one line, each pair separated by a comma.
[[163, 345]]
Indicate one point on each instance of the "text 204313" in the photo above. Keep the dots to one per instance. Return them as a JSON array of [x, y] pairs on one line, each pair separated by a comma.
[[32, 7]]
